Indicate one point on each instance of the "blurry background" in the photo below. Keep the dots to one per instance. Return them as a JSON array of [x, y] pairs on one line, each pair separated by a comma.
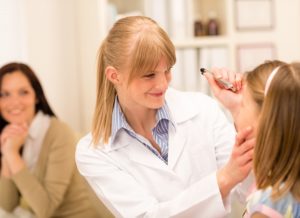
[[60, 39]]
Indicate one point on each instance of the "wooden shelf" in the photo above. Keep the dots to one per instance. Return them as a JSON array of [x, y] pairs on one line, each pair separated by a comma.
[[202, 41]]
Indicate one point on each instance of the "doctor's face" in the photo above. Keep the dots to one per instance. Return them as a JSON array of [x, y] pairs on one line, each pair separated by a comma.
[[147, 90], [17, 98], [249, 111]]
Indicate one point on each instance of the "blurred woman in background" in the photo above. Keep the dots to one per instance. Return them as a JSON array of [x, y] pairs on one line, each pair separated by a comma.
[[38, 173]]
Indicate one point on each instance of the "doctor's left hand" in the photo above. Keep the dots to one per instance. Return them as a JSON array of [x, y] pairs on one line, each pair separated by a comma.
[[239, 164]]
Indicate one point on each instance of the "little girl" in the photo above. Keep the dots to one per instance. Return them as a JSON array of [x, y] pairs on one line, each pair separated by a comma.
[[272, 92]]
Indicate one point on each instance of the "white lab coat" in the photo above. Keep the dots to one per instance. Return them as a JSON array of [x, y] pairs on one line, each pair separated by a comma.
[[133, 182]]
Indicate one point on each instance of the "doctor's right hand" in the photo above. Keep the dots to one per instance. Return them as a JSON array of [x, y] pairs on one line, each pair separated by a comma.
[[231, 100], [239, 164]]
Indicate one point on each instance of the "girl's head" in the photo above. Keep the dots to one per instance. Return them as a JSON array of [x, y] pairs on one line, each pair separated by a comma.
[[253, 94], [134, 48], [277, 151], [21, 94]]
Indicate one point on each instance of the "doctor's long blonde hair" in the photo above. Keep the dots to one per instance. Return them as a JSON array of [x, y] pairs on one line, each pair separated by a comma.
[[136, 43]]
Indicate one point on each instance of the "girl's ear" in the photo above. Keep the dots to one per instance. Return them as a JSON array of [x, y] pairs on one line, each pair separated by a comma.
[[112, 75]]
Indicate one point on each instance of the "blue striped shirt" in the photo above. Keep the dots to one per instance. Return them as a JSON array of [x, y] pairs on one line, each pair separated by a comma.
[[160, 132]]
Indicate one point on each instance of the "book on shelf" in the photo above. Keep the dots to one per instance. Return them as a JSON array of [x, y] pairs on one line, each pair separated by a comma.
[[190, 71]]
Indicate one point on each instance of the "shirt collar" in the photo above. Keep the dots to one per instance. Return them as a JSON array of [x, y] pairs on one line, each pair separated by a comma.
[[119, 121]]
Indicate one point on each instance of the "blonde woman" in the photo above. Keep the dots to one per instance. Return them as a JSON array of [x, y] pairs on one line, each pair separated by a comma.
[[154, 151]]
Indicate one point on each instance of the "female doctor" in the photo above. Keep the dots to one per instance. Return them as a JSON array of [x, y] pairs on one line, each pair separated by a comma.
[[154, 151]]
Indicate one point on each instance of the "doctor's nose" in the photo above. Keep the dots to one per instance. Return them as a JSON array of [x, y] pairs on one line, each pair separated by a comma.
[[163, 81]]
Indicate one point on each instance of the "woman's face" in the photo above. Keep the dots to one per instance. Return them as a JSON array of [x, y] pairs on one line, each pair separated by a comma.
[[17, 98], [249, 111], [145, 91]]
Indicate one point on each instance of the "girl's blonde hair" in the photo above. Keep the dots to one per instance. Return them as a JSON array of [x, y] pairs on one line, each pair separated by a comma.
[[277, 149], [257, 78], [136, 43]]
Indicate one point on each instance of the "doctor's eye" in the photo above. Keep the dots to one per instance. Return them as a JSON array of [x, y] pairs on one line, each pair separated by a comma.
[[149, 75]]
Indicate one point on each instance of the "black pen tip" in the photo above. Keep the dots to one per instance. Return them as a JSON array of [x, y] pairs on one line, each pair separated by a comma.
[[202, 70]]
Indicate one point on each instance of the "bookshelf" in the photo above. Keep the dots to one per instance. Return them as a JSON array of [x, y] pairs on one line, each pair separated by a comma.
[[178, 17]]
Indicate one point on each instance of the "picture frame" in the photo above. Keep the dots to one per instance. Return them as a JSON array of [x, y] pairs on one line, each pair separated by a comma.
[[254, 14], [250, 56]]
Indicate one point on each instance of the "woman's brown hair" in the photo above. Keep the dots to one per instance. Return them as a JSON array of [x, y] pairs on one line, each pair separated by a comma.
[[42, 103], [136, 43]]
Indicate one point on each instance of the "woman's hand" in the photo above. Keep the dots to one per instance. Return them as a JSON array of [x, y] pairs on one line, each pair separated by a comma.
[[239, 164], [229, 99], [13, 137]]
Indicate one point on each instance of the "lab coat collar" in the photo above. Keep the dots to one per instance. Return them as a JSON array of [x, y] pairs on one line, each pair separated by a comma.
[[140, 154], [181, 106], [182, 109]]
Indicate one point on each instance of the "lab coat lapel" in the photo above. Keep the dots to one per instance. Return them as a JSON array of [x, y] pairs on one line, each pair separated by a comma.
[[182, 109], [177, 141], [138, 152]]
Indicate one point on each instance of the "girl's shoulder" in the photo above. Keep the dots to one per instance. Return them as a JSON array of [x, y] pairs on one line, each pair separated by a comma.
[[261, 201]]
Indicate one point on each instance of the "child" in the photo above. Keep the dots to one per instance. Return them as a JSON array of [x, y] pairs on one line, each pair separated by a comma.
[[276, 103]]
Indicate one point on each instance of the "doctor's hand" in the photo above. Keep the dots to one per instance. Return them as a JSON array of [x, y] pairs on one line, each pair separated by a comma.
[[239, 164], [231, 100]]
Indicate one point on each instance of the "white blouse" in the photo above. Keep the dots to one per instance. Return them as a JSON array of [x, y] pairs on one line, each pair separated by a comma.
[[34, 140]]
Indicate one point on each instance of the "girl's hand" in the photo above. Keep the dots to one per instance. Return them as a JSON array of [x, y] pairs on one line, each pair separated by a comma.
[[239, 164]]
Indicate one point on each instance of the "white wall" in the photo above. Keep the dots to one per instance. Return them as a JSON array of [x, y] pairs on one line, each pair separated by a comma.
[[50, 46], [12, 35], [288, 29], [53, 53], [60, 39], [90, 23]]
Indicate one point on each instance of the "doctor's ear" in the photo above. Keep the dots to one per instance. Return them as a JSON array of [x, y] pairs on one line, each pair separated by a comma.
[[112, 74]]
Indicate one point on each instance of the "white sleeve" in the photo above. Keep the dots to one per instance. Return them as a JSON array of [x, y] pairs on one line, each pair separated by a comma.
[[224, 141]]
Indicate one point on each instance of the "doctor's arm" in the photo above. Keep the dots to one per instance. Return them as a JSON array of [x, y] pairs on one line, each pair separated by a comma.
[[239, 165]]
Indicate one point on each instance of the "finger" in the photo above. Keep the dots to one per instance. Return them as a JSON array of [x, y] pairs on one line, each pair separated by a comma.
[[242, 135], [18, 128], [238, 81], [216, 72], [212, 83], [247, 145], [25, 126], [11, 131], [246, 157], [232, 77], [225, 74]]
